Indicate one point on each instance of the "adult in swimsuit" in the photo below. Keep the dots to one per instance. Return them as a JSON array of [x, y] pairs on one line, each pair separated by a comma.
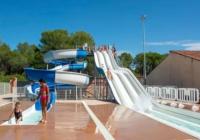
[[43, 95]]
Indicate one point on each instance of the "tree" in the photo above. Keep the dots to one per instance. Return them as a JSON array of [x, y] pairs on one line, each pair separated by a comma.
[[17, 62], [54, 40], [59, 39], [26, 50], [126, 59], [5, 55], [38, 61], [32, 53], [12, 62], [153, 59], [80, 38], [90, 66]]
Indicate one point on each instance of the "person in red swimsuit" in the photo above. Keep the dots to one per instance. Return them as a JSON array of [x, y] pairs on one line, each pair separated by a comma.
[[43, 95]]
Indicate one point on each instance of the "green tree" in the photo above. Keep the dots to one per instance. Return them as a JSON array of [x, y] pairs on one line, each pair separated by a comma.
[[5, 55], [26, 50], [80, 38], [12, 62], [54, 40], [17, 62], [38, 61], [6, 78], [32, 53], [90, 66], [153, 59], [59, 39], [126, 59]]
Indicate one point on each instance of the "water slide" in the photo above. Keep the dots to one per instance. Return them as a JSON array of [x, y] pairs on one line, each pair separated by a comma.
[[58, 75], [64, 54], [68, 67], [130, 93], [126, 89]]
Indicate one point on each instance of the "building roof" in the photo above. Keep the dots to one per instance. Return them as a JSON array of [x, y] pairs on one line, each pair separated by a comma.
[[192, 54]]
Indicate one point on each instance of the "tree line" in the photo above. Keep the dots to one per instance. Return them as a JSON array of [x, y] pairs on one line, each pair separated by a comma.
[[153, 59], [13, 61]]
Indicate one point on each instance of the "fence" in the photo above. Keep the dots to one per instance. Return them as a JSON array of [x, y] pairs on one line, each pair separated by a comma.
[[98, 89], [72, 93], [22, 91], [189, 95], [102, 90], [172, 93], [4, 88]]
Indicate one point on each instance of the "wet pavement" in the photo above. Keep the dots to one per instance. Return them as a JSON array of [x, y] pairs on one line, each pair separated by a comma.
[[70, 121], [125, 124], [66, 121]]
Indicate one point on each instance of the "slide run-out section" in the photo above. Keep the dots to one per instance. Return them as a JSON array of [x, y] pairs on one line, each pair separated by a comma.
[[126, 89]]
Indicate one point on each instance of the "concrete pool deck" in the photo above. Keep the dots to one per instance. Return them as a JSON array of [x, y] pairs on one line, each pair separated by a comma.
[[125, 124], [70, 120]]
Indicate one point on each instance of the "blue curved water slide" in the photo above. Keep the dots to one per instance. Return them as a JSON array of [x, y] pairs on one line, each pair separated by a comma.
[[58, 77], [77, 66], [64, 54], [54, 76]]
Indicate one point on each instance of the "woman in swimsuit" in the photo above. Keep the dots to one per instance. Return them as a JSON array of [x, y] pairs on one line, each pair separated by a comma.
[[17, 112], [43, 95]]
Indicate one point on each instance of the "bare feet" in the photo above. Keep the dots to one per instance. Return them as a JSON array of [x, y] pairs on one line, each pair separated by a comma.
[[41, 121]]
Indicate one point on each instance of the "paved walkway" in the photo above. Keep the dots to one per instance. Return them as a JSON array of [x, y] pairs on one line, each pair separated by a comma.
[[4, 101], [70, 121], [125, 124], [66, 121]]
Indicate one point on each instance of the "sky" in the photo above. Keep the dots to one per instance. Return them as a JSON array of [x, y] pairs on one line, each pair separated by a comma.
[[169, 24]]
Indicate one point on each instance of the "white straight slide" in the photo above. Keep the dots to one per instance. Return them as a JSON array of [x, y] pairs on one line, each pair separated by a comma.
[[126, 89]]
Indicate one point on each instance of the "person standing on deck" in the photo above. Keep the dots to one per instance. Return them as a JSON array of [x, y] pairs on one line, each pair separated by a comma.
[[44, 96]]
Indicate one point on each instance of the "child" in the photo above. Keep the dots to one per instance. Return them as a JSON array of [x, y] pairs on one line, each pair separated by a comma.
[[17, 112]]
